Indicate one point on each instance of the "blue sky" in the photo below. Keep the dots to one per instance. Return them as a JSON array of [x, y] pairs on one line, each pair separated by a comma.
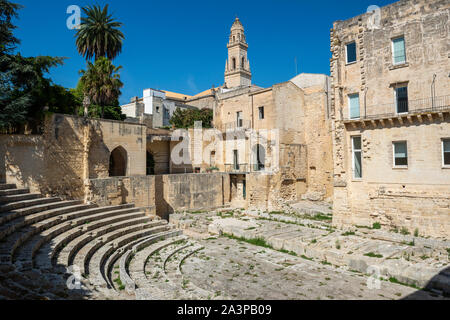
[[181, 45]]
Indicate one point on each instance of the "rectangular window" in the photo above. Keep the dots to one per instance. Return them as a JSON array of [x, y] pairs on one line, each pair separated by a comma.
[[353, 102], [239, 119], [401, 99], [351, 52], [400, 154], [235, 160], [357, 157], [446, 152], [261, 113], [398, 50]]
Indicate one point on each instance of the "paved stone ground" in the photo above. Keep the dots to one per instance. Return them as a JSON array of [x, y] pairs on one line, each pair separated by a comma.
[[238, 270], [324, 262]]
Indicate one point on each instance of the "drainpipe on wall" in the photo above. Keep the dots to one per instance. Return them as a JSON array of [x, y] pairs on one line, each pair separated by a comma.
[[365, 101], [252, 113], [433, 91]]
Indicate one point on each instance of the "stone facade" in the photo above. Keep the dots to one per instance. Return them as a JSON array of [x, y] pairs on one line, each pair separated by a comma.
[[69, 152], [403, 98]]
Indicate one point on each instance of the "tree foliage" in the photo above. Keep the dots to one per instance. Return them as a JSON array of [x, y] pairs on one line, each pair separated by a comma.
[[99, 34], [101, 83], [8, 11], [25, 89], [185, 118]]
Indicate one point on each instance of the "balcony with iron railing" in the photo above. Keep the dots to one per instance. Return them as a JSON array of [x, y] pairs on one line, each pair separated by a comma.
[[243, 168], [235, 125], [399, 109]]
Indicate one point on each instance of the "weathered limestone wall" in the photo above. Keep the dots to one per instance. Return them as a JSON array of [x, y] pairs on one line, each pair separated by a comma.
[[190, 191], [160, 150], [416, 196], [51, 163], [71, 150], [22, 157], [139, 190], [258, 190], [105, 136]]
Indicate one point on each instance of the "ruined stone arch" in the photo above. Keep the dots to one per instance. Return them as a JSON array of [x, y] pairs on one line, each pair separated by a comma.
[[118, 161]]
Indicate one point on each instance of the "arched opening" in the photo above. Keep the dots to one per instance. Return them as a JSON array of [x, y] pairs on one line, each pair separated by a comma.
[[150, 164], [234, 63], [243, 63], [259, 157], [118, 162]]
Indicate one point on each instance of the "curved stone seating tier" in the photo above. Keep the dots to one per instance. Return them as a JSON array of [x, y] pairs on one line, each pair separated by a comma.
[[28, 213], [153, 270], [7, 186], [40, 238], [95, 239], [10, 192], [131, 251], [16, 224], [78, 227], [26, 203], [97, 265]]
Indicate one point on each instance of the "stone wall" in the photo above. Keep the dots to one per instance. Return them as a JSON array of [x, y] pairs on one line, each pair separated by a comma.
[[191, 191], [416, 196], [71, 150], [139, 190]]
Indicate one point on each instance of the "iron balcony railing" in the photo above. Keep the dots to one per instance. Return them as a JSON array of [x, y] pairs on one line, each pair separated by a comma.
[[236, 167], [433, 104], [243, 167], [235, 125]]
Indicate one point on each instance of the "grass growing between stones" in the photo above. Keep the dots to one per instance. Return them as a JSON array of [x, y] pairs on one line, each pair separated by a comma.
[[373, 255], [260, 242], [120, 284], [394, 280], [318, 217]]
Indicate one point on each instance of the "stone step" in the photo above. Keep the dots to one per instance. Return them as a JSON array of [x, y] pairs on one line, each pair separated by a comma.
[[172, 269], [6, 186], [10, 192], [49, 253], [19, 197], [125, 264], [36, 209], [136, 268], [26, 203], [82, 234], [46, 230], [17, 224], [99, 263], [98, 238], [156, 275]]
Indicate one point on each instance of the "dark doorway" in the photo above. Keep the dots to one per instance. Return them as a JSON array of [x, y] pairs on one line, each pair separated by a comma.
[[259, 156], [118, 162], [150, 164]]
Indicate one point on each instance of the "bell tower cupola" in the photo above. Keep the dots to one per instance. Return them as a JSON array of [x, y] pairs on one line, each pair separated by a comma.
[[237, 66]]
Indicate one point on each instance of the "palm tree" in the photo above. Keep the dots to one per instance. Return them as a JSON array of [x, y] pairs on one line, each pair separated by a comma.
[[101, 83], [99, 34]]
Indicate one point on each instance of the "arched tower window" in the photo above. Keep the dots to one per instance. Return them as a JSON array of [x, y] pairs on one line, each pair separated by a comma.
[[118, 162], [243, 63], [234, 63]]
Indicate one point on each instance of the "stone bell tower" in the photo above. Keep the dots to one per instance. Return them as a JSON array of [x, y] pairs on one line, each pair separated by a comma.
[[237, 67]]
